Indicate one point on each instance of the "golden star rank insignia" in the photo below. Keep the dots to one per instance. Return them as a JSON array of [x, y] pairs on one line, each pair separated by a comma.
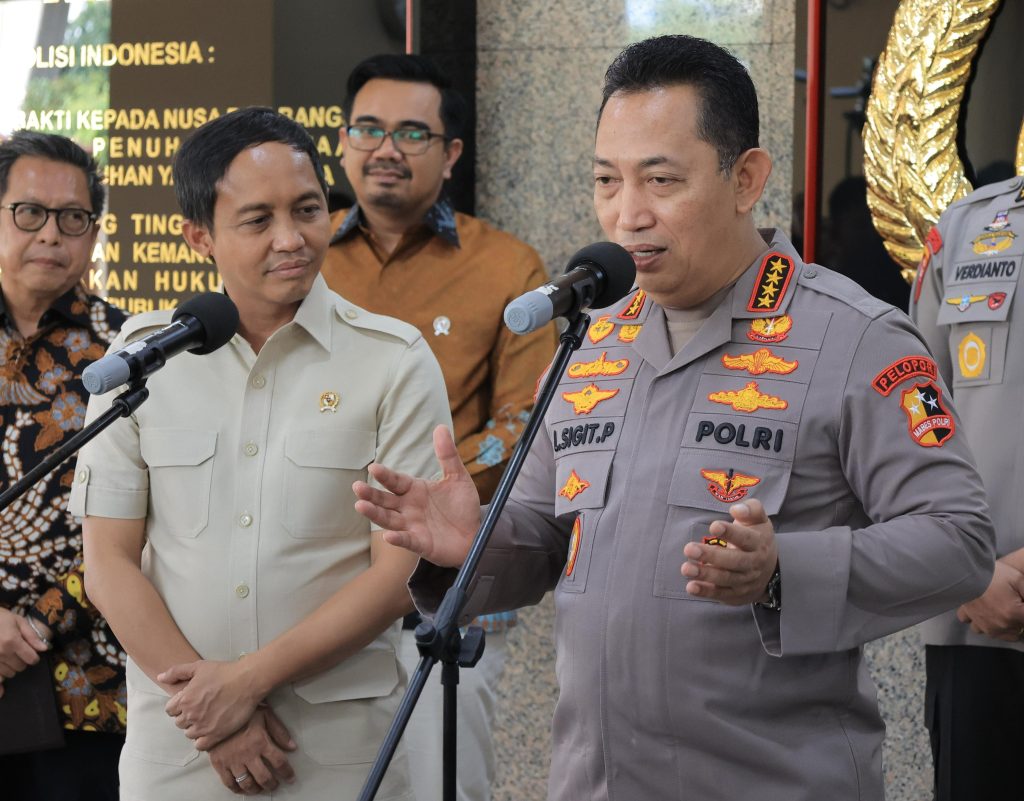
[[772, 281]]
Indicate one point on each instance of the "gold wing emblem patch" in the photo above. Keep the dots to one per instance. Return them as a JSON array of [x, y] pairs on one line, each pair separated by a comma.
[[749, 399]]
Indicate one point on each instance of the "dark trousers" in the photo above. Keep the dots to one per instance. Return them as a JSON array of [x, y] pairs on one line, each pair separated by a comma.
[[974, 709], [85, 769]]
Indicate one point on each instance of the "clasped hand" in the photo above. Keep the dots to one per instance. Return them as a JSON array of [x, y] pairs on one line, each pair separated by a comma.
[[217, 699], [737, 573]]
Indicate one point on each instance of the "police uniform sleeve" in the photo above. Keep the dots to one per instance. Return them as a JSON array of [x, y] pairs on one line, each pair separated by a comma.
[[929, 546], [111, 477]]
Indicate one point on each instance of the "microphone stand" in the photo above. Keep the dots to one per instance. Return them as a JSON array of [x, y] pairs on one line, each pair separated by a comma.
[[441, 640], [123, 406]]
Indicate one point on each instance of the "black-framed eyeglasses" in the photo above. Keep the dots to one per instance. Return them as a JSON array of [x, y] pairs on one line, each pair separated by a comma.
[[32, 217], [410, 141]]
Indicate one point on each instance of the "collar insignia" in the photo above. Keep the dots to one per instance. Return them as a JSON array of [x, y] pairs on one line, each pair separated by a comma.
[[636, 305], [771, 284]]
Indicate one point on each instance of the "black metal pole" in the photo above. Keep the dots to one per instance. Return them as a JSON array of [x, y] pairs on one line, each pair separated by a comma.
[[440, 640], [123, 405]]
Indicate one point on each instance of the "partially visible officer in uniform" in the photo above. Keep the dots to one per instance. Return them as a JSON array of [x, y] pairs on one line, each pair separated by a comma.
[[259, 611], [963, 302], [750, 469], [51, 329], [402, 250]]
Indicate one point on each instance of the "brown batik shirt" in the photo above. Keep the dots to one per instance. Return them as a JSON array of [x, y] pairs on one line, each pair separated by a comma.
[[42, 401]]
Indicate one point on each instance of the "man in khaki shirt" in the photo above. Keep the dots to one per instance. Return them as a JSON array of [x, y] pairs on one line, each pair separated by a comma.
[[219, 520]]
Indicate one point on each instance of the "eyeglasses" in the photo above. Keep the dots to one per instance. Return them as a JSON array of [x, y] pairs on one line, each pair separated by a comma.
[[410, 141], [32, 217]]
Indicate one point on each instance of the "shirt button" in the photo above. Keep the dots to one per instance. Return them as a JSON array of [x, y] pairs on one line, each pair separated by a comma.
[[245, 520], [242, 654], [251, 449], [259, 381], [810, 273], [83, 475], [351, 314], [242, 590]]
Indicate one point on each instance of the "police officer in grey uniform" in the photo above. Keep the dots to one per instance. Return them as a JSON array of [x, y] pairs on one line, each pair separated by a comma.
[[963, 302], [750, 469]]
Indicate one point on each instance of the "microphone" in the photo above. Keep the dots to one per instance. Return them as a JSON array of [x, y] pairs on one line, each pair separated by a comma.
[[596, 276], [200, 325]]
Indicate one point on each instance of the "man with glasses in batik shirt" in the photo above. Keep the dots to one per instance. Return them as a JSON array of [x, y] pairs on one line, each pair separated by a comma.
[[403, 251], [50, 330]]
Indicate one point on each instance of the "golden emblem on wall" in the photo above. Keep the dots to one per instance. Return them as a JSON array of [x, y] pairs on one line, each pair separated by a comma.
[[911, 163]]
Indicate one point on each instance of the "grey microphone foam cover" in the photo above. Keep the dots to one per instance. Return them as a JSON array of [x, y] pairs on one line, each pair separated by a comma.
[[528, 312]]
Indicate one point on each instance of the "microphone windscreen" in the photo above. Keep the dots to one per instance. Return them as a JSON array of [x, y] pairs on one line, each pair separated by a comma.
[[218, 316], [618, 267]]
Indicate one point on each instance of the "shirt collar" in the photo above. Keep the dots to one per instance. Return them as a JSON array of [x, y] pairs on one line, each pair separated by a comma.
[[314, 313], [74, 306], [439, 219]]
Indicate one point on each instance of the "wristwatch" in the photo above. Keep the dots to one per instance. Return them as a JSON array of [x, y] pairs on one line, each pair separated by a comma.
[[774, 591]]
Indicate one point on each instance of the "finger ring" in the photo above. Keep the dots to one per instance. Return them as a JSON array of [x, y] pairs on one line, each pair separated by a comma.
[[242, 778]]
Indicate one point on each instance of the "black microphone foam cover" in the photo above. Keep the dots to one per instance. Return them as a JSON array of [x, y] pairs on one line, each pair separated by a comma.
[[218, 316], [618, 267]]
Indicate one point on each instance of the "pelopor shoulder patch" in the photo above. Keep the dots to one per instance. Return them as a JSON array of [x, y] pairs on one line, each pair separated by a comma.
[[772, 281], [902, 369]]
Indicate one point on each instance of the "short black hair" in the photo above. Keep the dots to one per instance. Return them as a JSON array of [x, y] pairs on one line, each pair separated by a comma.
[[411, 69], [55, 148], [206, 155], [728, 116]]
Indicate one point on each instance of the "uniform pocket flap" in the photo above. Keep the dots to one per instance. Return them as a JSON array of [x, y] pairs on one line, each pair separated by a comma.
[[582, 481], [345, 448], [371, 673], [988, 302], [713, 480], [169, 447]]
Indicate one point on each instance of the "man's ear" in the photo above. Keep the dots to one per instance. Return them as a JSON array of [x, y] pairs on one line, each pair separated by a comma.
[[198, 238], [452, 152], [749, 175]]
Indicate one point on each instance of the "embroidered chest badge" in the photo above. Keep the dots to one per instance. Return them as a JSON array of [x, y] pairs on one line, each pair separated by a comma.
[[928, 419], [329, 401], [964, 302], [573, 486], [729, 486], [598, 367], [574, 546], [636, 305], [770, 329], [970, 355], [628, 333], [771, 284], [749, 399], [585, 400], [759, 362], [996, 299], [600, 329], [996, 237]]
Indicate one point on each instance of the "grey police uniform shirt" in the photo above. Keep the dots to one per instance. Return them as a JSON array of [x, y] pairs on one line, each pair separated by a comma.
[[799, 390], [242, 465], [964, 303]]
